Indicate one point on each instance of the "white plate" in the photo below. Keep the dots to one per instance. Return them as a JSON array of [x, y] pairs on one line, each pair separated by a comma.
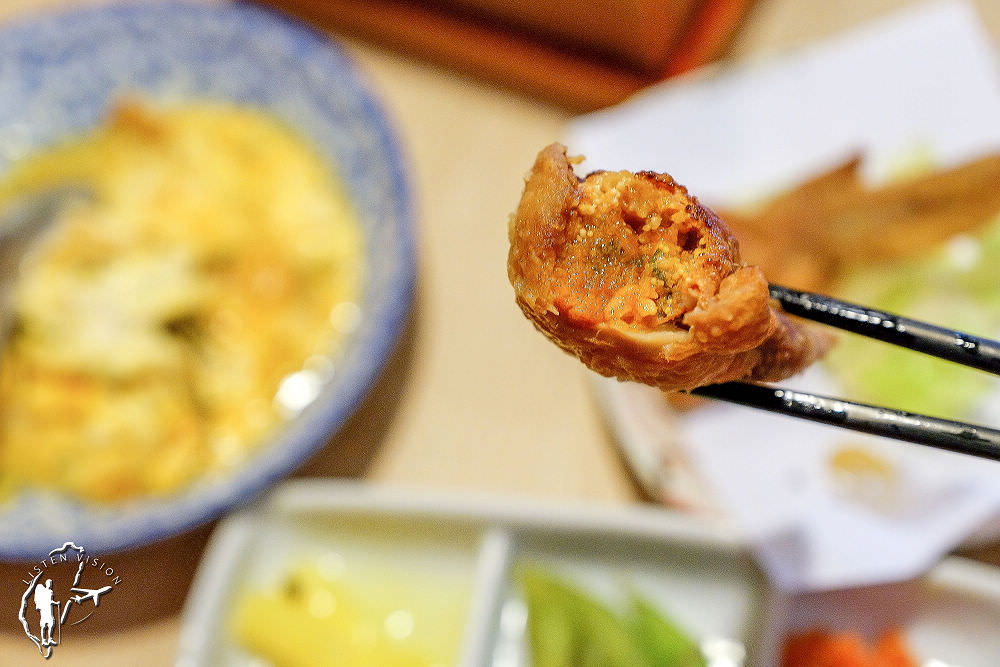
[[652, 436], [699, 574], [762, 127]]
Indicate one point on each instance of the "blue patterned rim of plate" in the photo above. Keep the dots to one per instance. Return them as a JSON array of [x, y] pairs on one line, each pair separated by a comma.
[[58, 74]]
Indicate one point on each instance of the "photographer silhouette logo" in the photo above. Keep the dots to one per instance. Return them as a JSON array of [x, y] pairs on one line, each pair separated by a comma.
[[45, 606]]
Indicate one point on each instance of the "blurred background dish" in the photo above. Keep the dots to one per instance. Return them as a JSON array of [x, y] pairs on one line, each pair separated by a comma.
[[64, 72], [532, 583], [478, 561], [579, 54]]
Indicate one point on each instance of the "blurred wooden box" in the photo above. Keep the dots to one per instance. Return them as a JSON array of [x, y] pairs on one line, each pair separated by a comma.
[[582, 54]]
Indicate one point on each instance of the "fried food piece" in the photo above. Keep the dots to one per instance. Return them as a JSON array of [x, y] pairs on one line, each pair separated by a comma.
[[834, 223], [641, 282]]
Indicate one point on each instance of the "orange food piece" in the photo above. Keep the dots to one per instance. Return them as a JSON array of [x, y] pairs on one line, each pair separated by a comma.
[[817, 648], [892, 651]]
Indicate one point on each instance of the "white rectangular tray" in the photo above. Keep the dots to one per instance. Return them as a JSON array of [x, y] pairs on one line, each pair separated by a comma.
[[704, 578]]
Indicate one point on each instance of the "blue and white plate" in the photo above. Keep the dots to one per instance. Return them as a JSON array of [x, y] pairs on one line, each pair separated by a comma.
[[59, 72]]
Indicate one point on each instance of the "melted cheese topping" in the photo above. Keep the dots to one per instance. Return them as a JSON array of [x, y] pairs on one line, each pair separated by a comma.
[[155, 326]]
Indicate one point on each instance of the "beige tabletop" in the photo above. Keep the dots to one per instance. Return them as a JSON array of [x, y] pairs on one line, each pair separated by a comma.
[[474, 398]]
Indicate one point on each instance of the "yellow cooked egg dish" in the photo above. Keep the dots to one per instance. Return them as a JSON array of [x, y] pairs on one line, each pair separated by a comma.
[[163, 329]]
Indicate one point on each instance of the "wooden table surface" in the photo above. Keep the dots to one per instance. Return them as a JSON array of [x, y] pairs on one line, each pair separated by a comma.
[[473, 398]]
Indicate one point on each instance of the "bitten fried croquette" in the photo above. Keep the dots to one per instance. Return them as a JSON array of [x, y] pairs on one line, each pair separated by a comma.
[[636, 278]]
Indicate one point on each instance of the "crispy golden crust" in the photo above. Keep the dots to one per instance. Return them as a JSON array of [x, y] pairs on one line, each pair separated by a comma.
[[637, 279]]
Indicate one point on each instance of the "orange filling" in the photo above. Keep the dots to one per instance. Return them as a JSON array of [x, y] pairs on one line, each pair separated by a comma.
[[634, 253]]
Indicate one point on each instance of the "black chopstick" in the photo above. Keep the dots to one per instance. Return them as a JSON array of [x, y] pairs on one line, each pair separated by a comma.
[[920, 429], [972, 351]]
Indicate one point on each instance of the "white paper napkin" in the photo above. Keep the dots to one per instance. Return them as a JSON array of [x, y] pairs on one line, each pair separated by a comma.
[[924, 79]]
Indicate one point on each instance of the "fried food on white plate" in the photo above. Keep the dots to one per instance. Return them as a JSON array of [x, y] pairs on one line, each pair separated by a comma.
[[640, 281]]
